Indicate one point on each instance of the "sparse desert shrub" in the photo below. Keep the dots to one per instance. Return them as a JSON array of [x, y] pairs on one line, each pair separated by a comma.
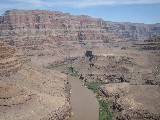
[[95, 86], [104, 113], [71, 71]]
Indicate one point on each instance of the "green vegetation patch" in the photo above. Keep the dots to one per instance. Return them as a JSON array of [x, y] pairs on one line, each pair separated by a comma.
[[104, 112], [68, 89], [51, 65], [71, 71], [95, 86]]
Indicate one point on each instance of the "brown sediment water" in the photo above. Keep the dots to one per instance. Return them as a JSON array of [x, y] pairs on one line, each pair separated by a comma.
[[83, 101]]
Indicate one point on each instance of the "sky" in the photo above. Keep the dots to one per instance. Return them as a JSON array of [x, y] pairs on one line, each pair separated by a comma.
[[135, 11]]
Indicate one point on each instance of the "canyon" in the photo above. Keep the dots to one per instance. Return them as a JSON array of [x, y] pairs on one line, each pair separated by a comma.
[[121, 58], [38, 29]]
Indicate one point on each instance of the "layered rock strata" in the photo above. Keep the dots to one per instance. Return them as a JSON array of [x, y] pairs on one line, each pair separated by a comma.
[[130, 102], [10, 60], [36, 29], [30, 92]]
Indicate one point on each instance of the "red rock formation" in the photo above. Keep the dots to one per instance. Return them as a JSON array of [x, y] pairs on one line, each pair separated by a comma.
[[10, 60], [31, 29], [48, 27], [28, 92]]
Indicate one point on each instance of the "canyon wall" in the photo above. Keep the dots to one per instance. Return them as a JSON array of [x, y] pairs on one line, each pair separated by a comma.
[[11, 60], [134, 31], [28, 91], [32, 29], [35, 28]]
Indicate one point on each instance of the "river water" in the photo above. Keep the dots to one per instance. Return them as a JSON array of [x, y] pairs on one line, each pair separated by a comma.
[[83, 101]]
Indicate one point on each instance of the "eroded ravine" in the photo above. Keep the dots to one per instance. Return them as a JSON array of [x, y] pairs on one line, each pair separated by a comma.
[[84, 103]]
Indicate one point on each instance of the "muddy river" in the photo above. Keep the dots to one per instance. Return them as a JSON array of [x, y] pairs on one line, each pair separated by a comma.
[[84, 103]]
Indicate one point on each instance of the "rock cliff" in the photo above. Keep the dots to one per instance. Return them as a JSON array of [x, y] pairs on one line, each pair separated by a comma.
[[37, 27], [11, 60], [32, 29], [134, 31]]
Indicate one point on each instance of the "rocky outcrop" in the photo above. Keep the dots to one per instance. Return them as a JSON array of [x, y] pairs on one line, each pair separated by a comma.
[[130, 102], [118, 66], [155, 39], [34, 29], [10, 60], [33, 93], [28, 91], [134, 31]]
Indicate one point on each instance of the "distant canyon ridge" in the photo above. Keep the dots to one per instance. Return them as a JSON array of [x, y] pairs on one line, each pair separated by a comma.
[[34, 28]]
